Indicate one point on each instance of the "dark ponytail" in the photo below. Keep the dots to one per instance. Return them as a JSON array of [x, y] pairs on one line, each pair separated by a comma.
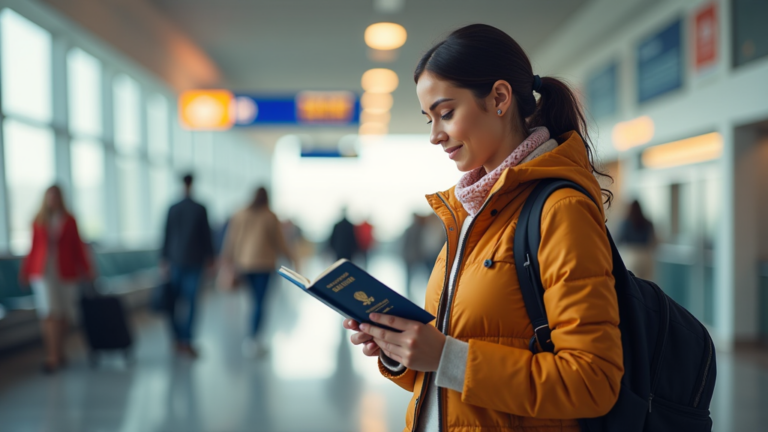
[[476, 56]]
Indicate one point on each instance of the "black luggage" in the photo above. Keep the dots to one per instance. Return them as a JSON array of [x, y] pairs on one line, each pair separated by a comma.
[[105, 326]]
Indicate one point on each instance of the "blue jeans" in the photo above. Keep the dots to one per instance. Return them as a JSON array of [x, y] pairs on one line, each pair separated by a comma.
[[258, 283], [185, 281]]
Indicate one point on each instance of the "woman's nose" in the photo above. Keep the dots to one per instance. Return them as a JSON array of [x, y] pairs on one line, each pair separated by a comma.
[[437, 136]]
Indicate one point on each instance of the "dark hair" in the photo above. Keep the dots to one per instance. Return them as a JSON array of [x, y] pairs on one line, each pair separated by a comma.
[[187, 179], [636, 216], [477, 56], [260, 199]]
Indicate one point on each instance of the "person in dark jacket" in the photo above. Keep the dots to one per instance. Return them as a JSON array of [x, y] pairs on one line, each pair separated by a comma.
[[343, 241], [187, 250]]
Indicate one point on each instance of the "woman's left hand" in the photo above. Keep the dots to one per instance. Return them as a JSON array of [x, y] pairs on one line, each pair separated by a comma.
[[418, 347]]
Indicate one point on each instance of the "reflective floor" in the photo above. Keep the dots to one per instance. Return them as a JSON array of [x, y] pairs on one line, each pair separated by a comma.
[[312, 379]]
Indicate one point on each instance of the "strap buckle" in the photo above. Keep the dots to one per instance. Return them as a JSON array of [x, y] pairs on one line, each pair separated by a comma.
[[543, 336]]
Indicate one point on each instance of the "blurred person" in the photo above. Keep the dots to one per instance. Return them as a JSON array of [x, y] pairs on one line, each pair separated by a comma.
[[56, 262], [637, 240], [252, 246], [413, 250], [365, 240], [343, 242], [434, 239], [477, 91], [187, 251]]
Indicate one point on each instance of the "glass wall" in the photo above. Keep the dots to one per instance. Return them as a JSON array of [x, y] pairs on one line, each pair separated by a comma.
[[28, 136], [84, 74], [120, 154]]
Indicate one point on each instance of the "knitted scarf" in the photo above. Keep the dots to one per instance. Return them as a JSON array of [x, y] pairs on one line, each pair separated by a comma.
[[473, 187]]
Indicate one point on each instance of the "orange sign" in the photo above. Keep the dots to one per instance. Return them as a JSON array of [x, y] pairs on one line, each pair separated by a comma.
[[325, 107], [205, 109]]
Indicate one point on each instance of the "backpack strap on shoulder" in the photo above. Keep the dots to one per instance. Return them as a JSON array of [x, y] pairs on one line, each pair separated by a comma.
[[526, 254]]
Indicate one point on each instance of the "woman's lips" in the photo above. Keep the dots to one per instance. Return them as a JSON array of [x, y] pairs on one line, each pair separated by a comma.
[[452, 152]]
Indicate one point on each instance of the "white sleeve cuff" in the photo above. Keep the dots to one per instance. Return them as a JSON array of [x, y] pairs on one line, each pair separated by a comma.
[[391, 364], [453, 364]]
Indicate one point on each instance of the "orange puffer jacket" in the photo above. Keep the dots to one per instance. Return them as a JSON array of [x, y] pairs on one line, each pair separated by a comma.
[[506, 387]]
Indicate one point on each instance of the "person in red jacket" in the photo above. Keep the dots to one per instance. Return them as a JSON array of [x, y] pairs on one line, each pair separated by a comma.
[[56, 262]]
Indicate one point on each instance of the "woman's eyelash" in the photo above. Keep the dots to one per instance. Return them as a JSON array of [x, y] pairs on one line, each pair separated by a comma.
[[446, 116]]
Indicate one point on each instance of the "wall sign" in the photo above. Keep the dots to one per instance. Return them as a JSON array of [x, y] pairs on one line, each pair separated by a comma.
[[660, 63], [602, 91]]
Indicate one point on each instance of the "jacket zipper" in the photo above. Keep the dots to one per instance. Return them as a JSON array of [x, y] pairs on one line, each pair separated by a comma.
[[706, 373], [428, 375], [660, 346], [452, 293]]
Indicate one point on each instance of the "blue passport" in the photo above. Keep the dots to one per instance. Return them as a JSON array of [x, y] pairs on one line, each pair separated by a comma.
[[354, 293]]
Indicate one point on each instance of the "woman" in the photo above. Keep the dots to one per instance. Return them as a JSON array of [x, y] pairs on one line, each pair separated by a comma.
[[252, 245], [471, 369], [56, 262]]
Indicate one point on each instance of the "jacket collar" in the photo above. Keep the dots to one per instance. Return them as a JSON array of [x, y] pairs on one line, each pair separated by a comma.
[[568, 160]]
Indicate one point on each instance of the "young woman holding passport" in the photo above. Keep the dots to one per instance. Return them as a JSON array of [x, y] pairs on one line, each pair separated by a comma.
[[471, 369]]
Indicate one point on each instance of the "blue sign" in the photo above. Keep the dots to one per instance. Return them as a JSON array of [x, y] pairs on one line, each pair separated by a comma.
[[660, 63], [602, 91], [309, 108]]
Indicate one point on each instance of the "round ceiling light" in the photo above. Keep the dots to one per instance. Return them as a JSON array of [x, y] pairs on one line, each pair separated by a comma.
[[379, 81], [385, 36], [376, 102]]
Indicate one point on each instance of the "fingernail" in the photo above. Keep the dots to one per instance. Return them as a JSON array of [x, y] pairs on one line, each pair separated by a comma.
[[363, 327], [374, 316]]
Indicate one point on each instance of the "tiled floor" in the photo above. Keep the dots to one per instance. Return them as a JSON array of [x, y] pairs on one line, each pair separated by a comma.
[[313, 380]]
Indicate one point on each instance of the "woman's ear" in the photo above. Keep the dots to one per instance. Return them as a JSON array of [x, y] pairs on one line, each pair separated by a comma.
[[501, 97]]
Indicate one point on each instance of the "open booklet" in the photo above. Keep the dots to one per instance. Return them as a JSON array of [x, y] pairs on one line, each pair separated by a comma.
[[354, 293]]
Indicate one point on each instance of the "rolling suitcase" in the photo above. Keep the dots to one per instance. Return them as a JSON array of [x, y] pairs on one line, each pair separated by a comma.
[[105, 326]]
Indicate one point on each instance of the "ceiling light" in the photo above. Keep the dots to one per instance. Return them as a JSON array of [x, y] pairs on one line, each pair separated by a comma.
[[379, 81], [632, 133], [373, 128], [376, 102], [376, 117], [385, 36], [684, 152]]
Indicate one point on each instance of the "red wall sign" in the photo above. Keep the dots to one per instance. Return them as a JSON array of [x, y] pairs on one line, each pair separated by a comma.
[[706, 37]]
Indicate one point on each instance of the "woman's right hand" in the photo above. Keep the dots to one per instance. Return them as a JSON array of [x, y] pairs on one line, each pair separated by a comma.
[[359, 338]]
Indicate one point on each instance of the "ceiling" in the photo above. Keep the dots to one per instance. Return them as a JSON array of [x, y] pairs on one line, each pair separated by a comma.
[[291, 45]]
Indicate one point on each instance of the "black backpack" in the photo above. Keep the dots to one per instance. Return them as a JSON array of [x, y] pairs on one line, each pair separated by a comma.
[[669, 357]]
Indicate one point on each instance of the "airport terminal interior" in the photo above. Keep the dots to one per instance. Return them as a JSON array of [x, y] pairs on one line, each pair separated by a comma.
[[113, 114]]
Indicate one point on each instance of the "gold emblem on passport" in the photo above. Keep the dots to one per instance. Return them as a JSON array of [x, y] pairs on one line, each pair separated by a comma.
[[361, 296]]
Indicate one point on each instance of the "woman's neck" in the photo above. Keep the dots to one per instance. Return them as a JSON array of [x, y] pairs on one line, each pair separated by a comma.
[[509, 143]]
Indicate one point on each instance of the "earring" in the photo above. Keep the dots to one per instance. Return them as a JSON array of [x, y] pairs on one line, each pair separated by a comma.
[[499, 112]]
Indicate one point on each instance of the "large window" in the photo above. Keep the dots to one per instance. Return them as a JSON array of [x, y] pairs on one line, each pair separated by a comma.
[[29, 143], [29, 168], [127, 95], [88, 187], [84, 75], [87, 150], [127, 108], [26, 60], [159, 157]]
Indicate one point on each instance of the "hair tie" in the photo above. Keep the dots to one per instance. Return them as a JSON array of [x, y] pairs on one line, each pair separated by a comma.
[[536, 84]]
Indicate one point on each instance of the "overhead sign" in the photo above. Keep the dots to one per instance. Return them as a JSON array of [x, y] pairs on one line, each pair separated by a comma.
[[602, 92], [338, 108], [705, 37], [660, 63], [222, 109]]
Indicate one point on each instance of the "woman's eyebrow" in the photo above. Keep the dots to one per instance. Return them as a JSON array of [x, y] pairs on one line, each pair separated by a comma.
[[436, 103]]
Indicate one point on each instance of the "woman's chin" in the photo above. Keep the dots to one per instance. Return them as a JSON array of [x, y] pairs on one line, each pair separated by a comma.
[[464, 166]]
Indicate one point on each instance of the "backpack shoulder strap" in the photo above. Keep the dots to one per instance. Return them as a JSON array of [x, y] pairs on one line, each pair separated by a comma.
[[526, 250]]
